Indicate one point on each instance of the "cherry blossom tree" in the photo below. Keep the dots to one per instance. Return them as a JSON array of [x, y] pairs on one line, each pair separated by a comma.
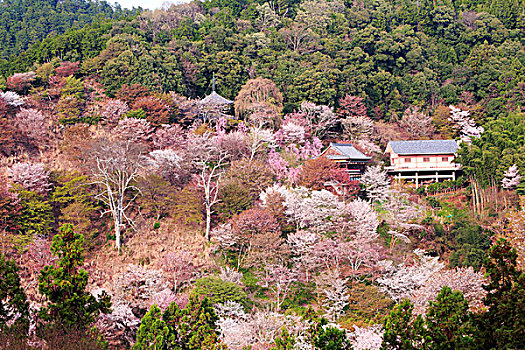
[[179, 266], [118, 166], [335, 295], [259, 139], [12, 98], [367, 338], [511, 178], [112, 110], [376, 183], [302, 245], [465, 124], [167, 162], [133, 130], [279, 279], [169, 136], [401, 281], [465, 280], [32, 123], [320, 120], [417, 123], [30, 176]]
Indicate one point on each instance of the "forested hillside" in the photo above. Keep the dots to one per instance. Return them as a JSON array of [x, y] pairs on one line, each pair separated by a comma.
[[163, 183], [27, 22]]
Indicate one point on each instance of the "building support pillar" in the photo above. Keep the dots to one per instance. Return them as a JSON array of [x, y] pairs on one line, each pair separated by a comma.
[[437, 176], [417, 179]]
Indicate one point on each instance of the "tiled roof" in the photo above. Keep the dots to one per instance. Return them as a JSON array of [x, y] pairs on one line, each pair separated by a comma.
[[349, 151], [216, 99], [424, 147]]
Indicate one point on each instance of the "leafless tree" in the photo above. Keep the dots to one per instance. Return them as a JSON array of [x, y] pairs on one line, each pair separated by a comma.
[[117, 168], [209, 161]]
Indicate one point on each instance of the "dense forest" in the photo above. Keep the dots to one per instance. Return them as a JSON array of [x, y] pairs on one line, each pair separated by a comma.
[[161, 184], [27, 22]]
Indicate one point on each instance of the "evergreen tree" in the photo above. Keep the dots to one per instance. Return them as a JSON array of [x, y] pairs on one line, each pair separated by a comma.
[[70, 306], [503, 325], [448, 322], [401, 331], [153, 333], [14, 308]]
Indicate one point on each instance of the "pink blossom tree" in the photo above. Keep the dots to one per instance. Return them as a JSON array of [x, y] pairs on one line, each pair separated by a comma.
[[417, 123], [32, 123], [179, 266], [279, 279], [112, 111], [169, 136], [30, 176], [133, 130]]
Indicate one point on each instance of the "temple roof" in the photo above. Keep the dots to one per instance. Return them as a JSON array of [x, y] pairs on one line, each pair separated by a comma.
[[345, 151], [215, 99], [424, 147]]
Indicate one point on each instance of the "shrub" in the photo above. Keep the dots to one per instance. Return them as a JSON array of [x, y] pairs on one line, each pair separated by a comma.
[[219, 291]]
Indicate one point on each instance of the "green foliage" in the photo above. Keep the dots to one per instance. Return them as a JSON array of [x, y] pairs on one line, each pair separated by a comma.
[[153, 333], [191, 328], [448, 322], [503, 325], [69, 305], [470, 246], [368, 304], [14, 308], [27, 22], [285, 341], [35, 218], [219, 291], [401, 330], [330, 338]]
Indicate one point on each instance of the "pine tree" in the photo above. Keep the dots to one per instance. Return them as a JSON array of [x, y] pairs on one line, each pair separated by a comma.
[[14, 308], [448, 322], [70, 306], [153, 333], [503, 325], [401, 332]]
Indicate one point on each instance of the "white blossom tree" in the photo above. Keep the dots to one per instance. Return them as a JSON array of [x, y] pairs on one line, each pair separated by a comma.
[[336, 296], [465, 124], [376, 183], [367, 338], [511, 178], [302, 244], [401, 281]]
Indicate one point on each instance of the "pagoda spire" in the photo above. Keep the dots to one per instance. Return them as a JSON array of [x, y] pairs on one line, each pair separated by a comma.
[[213, 83]]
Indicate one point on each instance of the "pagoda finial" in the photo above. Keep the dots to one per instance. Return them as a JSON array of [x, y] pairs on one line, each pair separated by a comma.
[[213, 82]]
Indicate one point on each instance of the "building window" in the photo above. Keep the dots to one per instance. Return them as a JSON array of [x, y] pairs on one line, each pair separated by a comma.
[[444, 159], [426, 159], [408, 160]]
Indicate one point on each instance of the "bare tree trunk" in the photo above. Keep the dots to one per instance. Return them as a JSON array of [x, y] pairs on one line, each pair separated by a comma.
[[208, 222]]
